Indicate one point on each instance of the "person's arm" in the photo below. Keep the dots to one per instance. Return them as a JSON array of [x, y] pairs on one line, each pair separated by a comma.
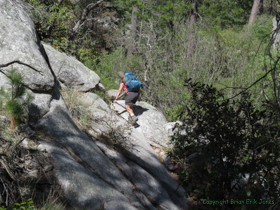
[[139, 98], [119, 92]]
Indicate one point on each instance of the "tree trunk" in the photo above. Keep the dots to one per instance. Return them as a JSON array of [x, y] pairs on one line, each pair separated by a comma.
[[131, 48], [193, 13], [13, 123], [192, 22], [254, 12]]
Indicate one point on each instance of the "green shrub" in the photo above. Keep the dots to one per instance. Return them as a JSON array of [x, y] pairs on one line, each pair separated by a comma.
[[230, 149], [262, 28], [108, 66], [17, 100], [26, 204]]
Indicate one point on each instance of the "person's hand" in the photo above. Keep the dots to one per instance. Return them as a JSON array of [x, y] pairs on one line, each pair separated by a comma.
[[115, 101]]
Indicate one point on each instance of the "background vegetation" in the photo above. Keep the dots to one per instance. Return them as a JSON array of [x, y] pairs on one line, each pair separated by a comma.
[[163, 46]]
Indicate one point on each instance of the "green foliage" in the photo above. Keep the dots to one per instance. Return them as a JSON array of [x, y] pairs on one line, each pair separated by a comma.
[[223, 56], [226, 13], [26, 204], [16, 99], [108, 66], [53, 21], [262, 28], [228, 149]]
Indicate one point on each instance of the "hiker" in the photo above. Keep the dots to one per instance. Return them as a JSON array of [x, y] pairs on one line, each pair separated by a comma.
[[130, 98]]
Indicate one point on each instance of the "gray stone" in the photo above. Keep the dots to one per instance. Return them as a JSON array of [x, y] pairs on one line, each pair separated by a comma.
[[169, 127], [33, 174], [70, 71], [275, 37], [48, 168], [112, 94], [24, 144], [121, 163], [18, 41], [31, 164], [83, 190], [149, 183], [93, 101], [116, 204], [167, 161], [103, 119], [60, 127], [101, 87], [27, 129], [140, 152], [151, 121], [25, 191], [3, 118], [40, 105]]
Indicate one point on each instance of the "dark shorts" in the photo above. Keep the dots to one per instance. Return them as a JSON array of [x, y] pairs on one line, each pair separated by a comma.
[[131, 98]]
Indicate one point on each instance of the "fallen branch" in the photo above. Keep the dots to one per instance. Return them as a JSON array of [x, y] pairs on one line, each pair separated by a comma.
[[5, 164], [7, 193]]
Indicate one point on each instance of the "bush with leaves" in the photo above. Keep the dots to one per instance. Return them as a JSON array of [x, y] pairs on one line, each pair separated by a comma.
[[16, 99], [229, 149], [25, 204]]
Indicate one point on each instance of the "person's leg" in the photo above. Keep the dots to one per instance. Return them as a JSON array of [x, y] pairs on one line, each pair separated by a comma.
[[130, 100], [129, 109]]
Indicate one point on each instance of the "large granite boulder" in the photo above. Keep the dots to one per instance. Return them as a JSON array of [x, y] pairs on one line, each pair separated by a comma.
[[71, 72], [151, 122], [18, 41], [84, 190], [138, 151]]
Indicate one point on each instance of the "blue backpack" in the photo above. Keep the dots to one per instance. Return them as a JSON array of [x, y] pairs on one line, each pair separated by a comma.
[[132, 83]]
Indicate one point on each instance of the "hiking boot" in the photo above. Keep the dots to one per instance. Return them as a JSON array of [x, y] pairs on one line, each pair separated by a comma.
[[129, 119], [133, 119]]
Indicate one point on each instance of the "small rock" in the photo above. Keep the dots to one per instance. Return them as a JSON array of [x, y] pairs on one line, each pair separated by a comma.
[[41, 148], [112, 93], [157, 150], [33, 174], [25, 191], [3, 118], [169, 127], [100, 87], [167, 161], [27, 129], [24, 144], [48, 168], [31, 164]]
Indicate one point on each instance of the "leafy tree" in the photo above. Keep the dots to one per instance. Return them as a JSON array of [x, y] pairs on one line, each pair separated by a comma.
[[226, 13], [15, 98], [228, 149]]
